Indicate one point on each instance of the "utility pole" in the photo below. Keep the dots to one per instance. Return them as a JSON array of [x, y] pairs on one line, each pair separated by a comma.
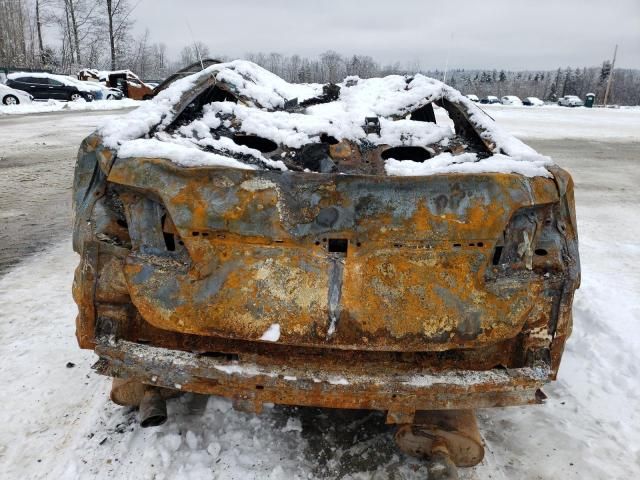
[[610, 79]]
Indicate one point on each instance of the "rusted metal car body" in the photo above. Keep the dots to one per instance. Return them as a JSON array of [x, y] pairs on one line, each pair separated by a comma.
[[124, 80], [130, 85], [401, 294]]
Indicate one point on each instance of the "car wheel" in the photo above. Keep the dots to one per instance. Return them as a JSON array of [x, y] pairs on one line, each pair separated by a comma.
[[10, 100], [75, 97]]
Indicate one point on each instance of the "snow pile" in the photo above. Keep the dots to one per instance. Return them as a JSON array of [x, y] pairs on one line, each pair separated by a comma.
[[199, 134], [265, 108], [409, 133], [59, 106], [179, 154], [467, 163], [253, 83], [263, 88]]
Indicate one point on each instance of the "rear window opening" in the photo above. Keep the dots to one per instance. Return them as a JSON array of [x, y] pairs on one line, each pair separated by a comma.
[[417, 154], [324, 138], [424, 114], [264, 145], [338, 245]]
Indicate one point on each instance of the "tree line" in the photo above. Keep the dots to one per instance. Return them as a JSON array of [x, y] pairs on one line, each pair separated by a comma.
[[98, 34], [545, 84], [549, 84]]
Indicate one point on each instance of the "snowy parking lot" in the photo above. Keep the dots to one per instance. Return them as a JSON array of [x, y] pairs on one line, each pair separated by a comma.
[[58, 421]]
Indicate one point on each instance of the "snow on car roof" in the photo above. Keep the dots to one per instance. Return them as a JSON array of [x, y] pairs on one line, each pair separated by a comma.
[[70, 81], [270, 107]]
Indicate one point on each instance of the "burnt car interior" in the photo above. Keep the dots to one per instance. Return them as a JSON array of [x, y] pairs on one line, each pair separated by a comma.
[[329, 155]]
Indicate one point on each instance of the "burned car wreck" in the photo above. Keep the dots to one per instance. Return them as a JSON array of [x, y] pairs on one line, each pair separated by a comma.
[[338, 246]]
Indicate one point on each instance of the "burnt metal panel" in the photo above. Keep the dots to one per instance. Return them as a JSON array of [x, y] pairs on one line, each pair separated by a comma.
[[417, 274], [316, 384]]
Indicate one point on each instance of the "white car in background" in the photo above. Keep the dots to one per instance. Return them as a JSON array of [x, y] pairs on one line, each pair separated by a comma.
[[112, 93], [472, 97], [532, 102], [570, 101], [510, 100], [11, 96]]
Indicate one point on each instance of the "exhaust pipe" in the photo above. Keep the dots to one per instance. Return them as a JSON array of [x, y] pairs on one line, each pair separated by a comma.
[[153, 408], [446, 438], [441, 466]]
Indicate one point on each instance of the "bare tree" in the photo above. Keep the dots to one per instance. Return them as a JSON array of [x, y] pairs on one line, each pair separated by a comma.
[[13, 47], [119, 24], [39, 26], [332, 61], [193, 53], [70, 8]]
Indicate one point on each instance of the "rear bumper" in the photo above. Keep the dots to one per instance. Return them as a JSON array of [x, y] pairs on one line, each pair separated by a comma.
[[316, 384]]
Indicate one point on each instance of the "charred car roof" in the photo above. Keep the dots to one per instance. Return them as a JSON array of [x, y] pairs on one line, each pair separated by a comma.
[[239, 115]]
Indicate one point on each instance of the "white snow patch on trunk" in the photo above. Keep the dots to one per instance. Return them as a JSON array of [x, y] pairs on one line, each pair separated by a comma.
[[467, 163], [272, 334], [179, 154]]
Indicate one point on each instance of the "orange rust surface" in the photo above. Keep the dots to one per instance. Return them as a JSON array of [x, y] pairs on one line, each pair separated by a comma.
[[428, 292], [418, 286]]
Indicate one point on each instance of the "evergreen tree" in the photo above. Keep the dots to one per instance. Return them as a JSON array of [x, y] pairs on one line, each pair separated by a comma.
[[605, 71]]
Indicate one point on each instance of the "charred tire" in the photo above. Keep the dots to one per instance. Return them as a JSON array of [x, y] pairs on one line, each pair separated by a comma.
[[10, 100]]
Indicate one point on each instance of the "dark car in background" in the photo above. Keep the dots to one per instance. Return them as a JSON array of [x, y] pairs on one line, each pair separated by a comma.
[[48, 86], [489, 99]]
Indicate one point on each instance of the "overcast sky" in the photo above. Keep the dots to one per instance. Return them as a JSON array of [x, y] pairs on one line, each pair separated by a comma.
[[509, 34]]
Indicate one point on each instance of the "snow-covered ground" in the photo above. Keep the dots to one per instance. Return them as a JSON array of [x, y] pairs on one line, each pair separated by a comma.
[[552, 121], [57, 421], [56, 106]]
